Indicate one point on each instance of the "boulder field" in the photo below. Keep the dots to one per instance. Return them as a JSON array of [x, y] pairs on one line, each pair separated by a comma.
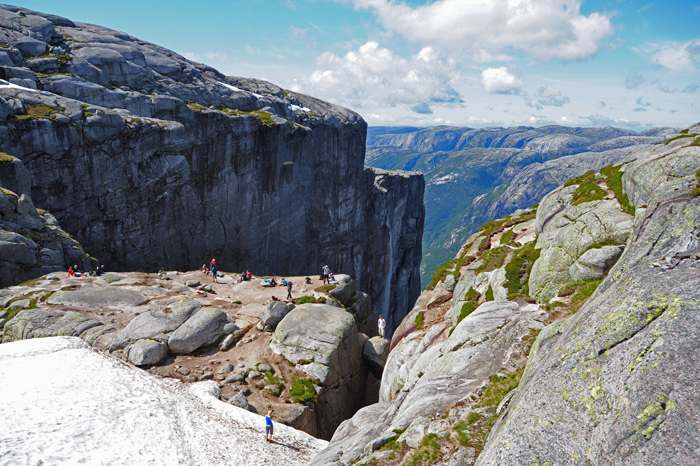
[[307, 360], [154, 162], [563, 334]]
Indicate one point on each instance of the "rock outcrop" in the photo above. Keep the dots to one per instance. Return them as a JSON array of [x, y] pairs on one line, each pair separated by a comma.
[[153, 161], [32, 242], [616, 382], [324, 343], [600, 371]]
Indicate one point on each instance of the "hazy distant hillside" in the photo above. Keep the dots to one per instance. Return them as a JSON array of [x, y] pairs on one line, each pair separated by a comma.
[[476, 175]]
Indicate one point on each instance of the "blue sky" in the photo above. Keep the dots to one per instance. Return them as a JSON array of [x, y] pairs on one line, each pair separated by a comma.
[[471, 63]]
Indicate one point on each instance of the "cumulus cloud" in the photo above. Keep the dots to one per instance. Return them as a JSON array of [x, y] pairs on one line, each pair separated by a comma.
[[422, 108], [548, 96], [674, 55], [377, 75], [545, 29], [500, 81]]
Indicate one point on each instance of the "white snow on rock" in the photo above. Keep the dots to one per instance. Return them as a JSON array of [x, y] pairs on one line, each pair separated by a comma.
[[233, 88], [296, 108], [237, 89], [66, 404]]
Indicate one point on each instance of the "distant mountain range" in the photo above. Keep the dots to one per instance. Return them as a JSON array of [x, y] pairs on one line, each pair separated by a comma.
[[477, 175]]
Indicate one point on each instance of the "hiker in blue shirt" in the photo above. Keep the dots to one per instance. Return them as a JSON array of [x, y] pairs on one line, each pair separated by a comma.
[[268, 426]]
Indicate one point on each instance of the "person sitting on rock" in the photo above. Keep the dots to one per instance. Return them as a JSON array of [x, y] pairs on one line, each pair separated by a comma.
[[273, 282], [307, 280], [71, 272], [284, 282]]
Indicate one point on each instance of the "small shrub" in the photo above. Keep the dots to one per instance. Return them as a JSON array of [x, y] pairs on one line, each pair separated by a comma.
[[325, 288], [6, 158], [587, 192], [489, 294], [427, 452], [272, 379], [196, 106], [303, 390], [493, 259], [469, 306], [309, 300], [440, 273], [680, 136], [39, 112], [613, 178], [583, 291], [518, 270], [498, 387], [419, 320], [507, 236]]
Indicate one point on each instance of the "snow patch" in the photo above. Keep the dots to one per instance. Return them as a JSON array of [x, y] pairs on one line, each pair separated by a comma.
[[296, 108], [233, 88], [66, 404]]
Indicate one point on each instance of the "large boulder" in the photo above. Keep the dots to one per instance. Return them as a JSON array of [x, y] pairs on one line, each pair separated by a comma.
[[274, 312], [145, 352], [375, 352], [202, 329], [429, 372], [595, 263], [323, 342], [567, 233], [41, 322], [156, 324], [99, 297]]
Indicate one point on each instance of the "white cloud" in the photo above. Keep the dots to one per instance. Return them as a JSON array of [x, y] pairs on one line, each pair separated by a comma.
[[192, 56], [546, 29], [674, 55], [217, 57], [500, 81], [548, 96], [375, 75]]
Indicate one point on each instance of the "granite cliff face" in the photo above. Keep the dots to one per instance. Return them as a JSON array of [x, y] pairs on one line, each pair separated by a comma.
[[32, 242], [476, 175], [564, 335], [153, 161]]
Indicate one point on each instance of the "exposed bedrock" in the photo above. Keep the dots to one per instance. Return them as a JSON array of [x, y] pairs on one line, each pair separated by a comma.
[[153, 161]]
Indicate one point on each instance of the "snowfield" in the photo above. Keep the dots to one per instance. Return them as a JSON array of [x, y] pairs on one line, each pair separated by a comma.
[[66, 404]]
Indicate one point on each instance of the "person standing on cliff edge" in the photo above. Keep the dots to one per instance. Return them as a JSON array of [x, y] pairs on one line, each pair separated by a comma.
[[381, 324]]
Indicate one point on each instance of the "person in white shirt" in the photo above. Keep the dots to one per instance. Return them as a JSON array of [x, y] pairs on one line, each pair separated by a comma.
[[381, 324]]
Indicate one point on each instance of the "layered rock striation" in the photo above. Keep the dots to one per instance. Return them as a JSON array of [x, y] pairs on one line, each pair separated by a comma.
[[153, 161]]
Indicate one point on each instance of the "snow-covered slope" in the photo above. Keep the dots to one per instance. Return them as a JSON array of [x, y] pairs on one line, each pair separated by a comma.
[[65, 404]]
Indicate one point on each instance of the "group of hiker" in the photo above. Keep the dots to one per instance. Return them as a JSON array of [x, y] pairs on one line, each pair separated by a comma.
[[76, 272]]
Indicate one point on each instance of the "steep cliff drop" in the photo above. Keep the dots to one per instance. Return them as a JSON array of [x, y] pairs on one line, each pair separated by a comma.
[[153, 161]]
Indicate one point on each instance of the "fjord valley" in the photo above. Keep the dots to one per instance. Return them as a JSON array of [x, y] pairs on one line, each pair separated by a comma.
[[477, 175], [555, 323]]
